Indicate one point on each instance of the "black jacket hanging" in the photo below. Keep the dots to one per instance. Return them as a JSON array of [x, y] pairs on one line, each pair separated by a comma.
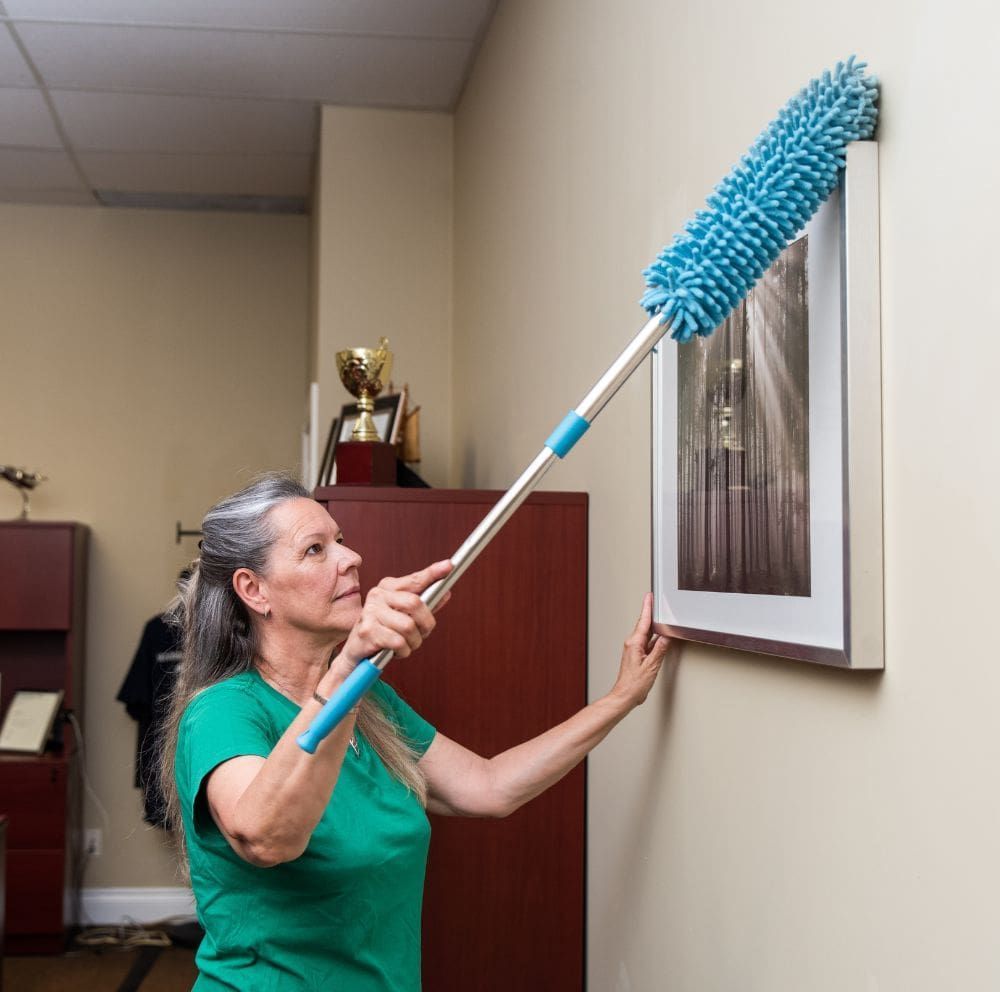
[[146, 695]]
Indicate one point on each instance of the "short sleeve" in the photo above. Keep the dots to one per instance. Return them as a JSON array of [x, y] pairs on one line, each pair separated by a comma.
[[413, 728], [223, 721]]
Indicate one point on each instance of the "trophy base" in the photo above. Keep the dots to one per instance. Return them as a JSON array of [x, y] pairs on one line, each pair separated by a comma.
[[365, 463]]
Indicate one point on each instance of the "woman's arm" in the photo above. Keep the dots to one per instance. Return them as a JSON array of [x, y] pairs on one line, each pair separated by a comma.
[[461, 783], [267, 808]]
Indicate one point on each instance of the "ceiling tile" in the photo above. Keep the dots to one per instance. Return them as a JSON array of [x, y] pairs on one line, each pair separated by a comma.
[[154, 123], [13, 69], [256, 175], [428, 18], [25, 120], [56, 197], [22, 168], [325, 68]]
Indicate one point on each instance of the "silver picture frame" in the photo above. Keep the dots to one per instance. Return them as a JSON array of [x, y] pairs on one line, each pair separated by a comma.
[[835, 615]]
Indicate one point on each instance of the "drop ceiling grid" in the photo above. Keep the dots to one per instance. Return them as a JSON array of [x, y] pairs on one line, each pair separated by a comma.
[[213, 96], [317, 68], [122, 122], [400, 18]]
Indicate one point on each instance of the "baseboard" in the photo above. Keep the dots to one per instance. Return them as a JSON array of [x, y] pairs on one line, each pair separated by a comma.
[[109, 906]]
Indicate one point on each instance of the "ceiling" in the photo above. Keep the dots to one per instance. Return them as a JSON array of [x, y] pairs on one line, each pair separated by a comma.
[[208, 104]]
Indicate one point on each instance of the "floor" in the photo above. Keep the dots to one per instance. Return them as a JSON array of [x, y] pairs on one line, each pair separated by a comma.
[[149, 969], [112, 959]]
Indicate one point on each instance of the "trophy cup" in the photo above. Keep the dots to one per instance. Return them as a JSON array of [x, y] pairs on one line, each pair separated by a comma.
[[365, 460], [362, 371]]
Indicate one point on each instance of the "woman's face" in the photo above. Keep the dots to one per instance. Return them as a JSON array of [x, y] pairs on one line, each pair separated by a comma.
[[311, 579]]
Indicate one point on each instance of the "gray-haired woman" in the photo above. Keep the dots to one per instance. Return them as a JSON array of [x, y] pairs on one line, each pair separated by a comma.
[[308, 870]]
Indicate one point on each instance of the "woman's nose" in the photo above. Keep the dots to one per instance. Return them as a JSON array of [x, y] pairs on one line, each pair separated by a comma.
[[348, 559]]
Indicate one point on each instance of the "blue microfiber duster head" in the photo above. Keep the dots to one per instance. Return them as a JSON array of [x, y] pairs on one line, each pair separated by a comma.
[[762, 204]]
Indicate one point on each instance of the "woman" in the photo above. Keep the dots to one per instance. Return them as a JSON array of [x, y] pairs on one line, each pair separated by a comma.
[[308, 870]]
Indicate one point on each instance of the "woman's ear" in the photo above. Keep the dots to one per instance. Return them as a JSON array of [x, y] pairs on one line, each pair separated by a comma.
[[248, 587]]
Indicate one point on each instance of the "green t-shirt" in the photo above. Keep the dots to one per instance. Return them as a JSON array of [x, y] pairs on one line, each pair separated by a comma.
[[345, 915]]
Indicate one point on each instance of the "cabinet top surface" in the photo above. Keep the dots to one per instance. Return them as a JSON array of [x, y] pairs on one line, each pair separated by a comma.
[[400, 494], [37, 524], [23, 758]]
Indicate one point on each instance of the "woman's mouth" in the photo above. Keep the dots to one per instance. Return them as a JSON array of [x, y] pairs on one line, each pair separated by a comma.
[[355, 591]]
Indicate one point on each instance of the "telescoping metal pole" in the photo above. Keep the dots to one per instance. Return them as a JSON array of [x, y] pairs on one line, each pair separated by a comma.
[[559, 443]]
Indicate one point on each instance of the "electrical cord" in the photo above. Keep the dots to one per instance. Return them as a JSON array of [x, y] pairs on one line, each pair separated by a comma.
[[88, 788], [124, 936], [129, 933], [81, 856]]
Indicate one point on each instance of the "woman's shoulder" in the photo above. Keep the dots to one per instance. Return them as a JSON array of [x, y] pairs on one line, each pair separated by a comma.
[[388, 699], [410, 724], [229, 691]]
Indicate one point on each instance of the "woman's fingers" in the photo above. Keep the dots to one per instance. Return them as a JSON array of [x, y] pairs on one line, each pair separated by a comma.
[[394, 615], [654, 645], [413, 606], [646, 613], [385, 627], [658, 644], [640, 633], [418, 581], [399, 642], [400, 610]]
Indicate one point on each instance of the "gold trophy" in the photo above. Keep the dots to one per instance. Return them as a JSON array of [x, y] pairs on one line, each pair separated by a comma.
[[363, 371]]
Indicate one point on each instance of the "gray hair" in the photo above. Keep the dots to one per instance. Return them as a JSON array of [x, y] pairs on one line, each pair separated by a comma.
[[219, 638], [221, 641]]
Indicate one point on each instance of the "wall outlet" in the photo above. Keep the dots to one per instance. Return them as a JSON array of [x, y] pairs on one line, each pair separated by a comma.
[[93, 841]]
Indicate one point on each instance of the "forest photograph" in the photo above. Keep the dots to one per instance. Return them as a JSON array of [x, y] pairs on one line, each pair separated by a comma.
[[743, 511]]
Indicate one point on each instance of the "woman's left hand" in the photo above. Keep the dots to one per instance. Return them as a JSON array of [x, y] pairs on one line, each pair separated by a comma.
[[642, 658]]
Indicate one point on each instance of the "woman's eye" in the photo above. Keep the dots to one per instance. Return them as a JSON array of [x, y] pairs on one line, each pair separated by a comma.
[[314, 549], [340, 540]]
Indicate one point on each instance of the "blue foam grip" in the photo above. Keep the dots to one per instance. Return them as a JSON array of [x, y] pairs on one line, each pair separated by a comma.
[[569, 431], [346, 697]]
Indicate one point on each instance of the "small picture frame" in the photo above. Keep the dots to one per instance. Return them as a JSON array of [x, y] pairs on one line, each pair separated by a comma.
[[29, 719], [388, 417], [326, 465]]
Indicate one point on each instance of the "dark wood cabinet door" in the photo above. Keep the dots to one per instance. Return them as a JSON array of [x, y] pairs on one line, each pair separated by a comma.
[[36, 576], [35, 897], [42, 636], [504, 900], [33, 795]]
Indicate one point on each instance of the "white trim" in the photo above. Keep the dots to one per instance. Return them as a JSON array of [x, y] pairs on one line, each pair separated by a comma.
[[313, 436], [100, 907]]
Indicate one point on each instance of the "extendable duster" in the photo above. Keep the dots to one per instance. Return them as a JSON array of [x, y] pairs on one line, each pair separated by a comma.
[[693, 285]]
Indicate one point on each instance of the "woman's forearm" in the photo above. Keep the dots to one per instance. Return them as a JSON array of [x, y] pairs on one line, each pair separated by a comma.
[[523, 772], [461, 783], [278, 810]]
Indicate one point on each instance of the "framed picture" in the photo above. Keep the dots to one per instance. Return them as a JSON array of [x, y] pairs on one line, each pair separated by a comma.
[[388, 417], [326, 465], [29, 719], [767, 452]]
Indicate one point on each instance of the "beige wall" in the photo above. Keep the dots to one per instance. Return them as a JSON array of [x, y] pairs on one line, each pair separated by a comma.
[[770, 826], [151, 363], [382, 265]]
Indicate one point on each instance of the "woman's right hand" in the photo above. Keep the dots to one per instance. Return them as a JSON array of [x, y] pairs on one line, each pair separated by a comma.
[[394, 617]]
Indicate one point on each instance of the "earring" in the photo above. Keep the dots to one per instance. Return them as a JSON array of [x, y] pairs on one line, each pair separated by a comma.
[[267, 612]]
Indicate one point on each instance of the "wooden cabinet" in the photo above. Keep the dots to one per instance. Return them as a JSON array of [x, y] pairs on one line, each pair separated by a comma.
[[3, 886], [504, 900], [42, 613]]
